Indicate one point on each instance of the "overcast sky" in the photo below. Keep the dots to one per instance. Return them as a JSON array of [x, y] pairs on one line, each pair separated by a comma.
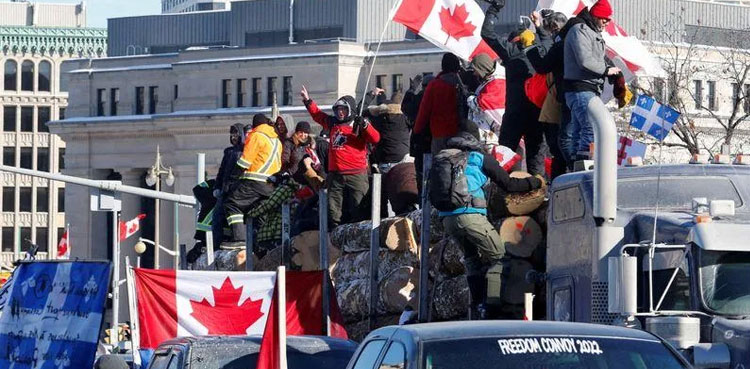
[[99, 10]]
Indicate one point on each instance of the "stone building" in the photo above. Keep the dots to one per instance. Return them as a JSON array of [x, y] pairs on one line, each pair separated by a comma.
[[35, 39]]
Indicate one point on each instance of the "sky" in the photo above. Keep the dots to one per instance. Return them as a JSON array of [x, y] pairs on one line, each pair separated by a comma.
[[99, 10]]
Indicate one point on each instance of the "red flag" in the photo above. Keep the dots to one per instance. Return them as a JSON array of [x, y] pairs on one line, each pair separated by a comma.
[[130, 227], [452, 25], [304, 315], [63, 249]]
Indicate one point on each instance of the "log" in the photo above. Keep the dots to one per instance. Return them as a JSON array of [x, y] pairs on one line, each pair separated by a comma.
[[520, 236], [395, 234], [398, 289], [452, 262], [516, 284], [357, 266], [226, 260], [451, 300], [306, 251], [436, 226], [353, 299], [270, 262], [503, 204]]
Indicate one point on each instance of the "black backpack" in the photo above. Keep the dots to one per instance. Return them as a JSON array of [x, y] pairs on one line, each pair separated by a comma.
[[448, 186]]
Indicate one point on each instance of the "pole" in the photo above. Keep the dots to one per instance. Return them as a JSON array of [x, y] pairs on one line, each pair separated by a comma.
[[156, 224], [249, 241], [285, 233], [528, 306], [424, 242], [323, 244], [374, 250], [135, 332], [113, 338], [177, 236], [183, 257], [281, 306]]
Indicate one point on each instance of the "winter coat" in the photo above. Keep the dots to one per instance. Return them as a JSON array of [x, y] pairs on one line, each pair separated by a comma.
[[261, 157], [394, 133], [400, 187], [585, 53], [292, 155], [438, 109], [410, 105], [347, 152], [231, 155]]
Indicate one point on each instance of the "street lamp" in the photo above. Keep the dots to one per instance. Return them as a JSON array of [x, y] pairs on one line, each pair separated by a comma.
[[154, 177]]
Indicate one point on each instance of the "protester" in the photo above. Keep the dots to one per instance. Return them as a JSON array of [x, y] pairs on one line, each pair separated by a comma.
[[224, 179], [390, 121], [586, 67], [294, 147], [419, 143], [347, 160], [261, 158], [438, 110], [268, 215], [462, 206], [521, 115]]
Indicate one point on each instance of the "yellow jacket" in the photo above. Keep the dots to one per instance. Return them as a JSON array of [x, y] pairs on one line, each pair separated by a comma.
[[261, 156]]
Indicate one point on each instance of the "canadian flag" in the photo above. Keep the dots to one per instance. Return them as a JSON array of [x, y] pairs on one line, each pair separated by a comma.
[[190, 303], [130, 227], [63, 248], [452, 25]]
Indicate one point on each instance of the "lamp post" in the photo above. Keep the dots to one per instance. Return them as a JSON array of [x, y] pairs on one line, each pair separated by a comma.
[[154, 177]]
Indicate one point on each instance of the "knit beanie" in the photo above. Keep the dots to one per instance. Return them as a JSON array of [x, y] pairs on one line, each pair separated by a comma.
[[450, 63], [302, 126], [259, 119], [483, 65], [602, 9]]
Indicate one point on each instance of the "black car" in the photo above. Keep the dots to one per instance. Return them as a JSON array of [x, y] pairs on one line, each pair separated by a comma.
[[241, 352], [514, 345]]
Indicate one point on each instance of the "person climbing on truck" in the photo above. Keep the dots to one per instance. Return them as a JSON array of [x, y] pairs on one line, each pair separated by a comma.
[[458, 177]]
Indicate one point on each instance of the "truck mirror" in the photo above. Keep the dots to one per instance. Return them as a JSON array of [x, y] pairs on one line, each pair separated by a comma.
[[711, 355], [623, 288]]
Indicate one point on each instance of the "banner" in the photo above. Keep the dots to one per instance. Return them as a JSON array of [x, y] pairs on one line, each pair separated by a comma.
[[54, 315]]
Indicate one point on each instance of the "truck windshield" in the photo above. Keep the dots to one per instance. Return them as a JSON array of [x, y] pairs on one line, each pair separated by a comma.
[[724, 282], [548, 352], [676, 192]]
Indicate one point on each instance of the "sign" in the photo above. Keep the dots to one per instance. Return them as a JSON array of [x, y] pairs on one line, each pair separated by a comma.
[[53, 315]]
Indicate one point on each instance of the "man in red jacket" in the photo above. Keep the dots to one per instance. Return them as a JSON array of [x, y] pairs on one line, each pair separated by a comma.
[[438, 111], [347, 156]]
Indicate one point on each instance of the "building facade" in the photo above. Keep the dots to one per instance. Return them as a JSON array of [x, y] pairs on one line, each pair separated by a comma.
[[32, 95], [185, 6]]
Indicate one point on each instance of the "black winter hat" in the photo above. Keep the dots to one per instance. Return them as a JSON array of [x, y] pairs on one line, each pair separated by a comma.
[[450, 63], [302, 126], [259, 119]]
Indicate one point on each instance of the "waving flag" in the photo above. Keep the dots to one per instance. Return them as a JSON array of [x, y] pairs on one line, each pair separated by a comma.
[[653, 118], [130, 227], [452, 25], [63, 248]]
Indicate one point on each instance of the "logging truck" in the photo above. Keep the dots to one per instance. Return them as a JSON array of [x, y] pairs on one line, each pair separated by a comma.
[[660, 248]]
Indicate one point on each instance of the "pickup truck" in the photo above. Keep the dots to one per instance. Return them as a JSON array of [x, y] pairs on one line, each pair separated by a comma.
[[513, 344]]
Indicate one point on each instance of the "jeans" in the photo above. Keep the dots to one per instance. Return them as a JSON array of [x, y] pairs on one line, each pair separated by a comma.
[[580, 129], [565, 139]]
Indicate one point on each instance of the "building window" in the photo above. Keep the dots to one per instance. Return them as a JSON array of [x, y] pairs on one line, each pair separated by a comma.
[[9, 118], [698, 93], [256, 91], [27, 159], [271, 93], [114, 100], [241, 92], [9, 199], [27, 119], [288, 94], [659, 89], [176, 92], [43, 117], [100, 101], [9, 156], [61, 113], [398, 82], [27, 76], [61, 158], [11, 75], [8, 242], [24, 197], [712, 103], [139, 96], [747, 99], [25, 238], [380, 81], [61, 200], [153, 99], [45, 76], [226, 92], [42, 199], [41, 239], [42, 159]]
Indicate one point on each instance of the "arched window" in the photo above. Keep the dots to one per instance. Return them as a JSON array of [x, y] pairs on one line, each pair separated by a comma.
[[11, 73], [27, 76], [45, 75]]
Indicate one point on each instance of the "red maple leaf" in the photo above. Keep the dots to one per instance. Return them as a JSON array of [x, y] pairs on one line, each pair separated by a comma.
[[455, 25], [226, 315]]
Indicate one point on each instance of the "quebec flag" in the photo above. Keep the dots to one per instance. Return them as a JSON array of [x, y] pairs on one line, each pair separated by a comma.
[[53, 315], [653, 118]]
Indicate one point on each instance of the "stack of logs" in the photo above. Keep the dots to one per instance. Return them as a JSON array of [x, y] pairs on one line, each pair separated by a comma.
[[519, 218]]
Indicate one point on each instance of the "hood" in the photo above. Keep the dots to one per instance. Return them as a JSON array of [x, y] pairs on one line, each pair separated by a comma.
[[241, 129], [347, 101], [571, 22], [465, 142], [587, 18]]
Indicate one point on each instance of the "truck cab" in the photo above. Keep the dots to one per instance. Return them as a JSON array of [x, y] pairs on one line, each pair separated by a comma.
[[676, 267]]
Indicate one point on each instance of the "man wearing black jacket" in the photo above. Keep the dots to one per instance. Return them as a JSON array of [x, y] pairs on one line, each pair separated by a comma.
[[224, 179]]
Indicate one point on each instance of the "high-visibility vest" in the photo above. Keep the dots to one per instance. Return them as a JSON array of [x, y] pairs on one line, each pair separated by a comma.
[[261, 156]]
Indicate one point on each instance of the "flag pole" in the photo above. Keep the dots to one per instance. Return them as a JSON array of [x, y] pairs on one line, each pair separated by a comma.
[[377, 50], [135, 334], [652, 249], [281, 306]]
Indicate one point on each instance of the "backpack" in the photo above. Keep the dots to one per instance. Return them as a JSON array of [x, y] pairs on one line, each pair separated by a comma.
[[448, 186]]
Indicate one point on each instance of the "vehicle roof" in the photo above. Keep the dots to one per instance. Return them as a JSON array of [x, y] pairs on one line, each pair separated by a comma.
[[300, 343], [511, 328], [666, 170]]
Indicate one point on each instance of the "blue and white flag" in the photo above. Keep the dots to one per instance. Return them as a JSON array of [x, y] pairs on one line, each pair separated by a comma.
[[653, 118], [54, 315]]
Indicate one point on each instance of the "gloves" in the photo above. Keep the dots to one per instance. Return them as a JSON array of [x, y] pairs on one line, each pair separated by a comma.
[[360, 125], [279, 178], [542, 180], [527, 38], [621, 91]]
